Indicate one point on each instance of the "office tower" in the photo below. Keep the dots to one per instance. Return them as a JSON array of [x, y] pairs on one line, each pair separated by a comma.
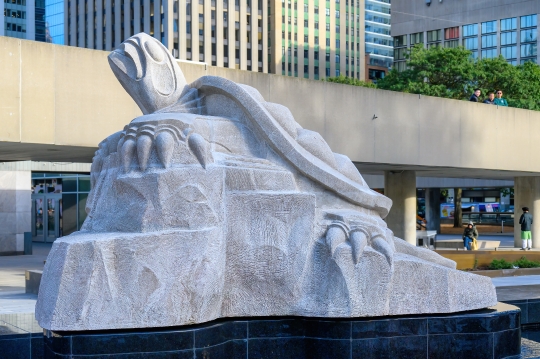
[[315, 39], [379, 42], [486, 28], [24, 19], [227, 33]]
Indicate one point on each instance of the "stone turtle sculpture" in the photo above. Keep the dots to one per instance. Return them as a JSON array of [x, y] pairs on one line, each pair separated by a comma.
[[216, 203]]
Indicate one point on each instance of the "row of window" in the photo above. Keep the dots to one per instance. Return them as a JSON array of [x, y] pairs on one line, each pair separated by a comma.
[[290, 68], [18, 14], [306, 5], [15, 27], [16, 2], [528, 32], [315, 55]]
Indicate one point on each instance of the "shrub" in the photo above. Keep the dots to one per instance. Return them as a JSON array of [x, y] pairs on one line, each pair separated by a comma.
[[500, 264], [520, 263]]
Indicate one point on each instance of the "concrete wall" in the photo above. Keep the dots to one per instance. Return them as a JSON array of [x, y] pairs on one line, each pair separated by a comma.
[[68, 96], [15, 210]]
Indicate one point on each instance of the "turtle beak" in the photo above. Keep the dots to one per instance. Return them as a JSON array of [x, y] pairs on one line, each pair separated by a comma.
[[127, 60]]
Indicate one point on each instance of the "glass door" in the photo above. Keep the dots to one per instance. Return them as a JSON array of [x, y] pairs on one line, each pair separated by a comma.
[[46, 217]]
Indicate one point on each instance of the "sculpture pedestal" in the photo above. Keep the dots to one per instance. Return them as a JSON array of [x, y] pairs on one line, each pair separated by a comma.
[[489, 333]]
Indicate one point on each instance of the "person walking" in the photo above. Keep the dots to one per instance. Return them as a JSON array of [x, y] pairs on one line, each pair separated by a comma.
[[500, 101], [470, 234], [491, 99], [476, 96], [526, 221]]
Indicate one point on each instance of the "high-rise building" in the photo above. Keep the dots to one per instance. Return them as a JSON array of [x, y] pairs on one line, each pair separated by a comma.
[[308, 39], [379, 42], [23, 19], [317, 39], [54, 21], [227, 33], [488, 28]]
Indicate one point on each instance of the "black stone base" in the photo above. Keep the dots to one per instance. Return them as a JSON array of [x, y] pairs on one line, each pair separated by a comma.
[[490, 333]]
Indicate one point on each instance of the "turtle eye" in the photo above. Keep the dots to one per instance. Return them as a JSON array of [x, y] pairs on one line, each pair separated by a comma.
[[154, 50]]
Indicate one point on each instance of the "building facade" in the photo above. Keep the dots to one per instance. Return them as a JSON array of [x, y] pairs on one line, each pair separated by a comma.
[[225, 33], [315, 39], [488, 28], [378, 40], [22, 19], [308, 39]]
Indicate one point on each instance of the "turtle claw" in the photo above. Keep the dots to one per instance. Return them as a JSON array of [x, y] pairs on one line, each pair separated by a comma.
[[357, 239]]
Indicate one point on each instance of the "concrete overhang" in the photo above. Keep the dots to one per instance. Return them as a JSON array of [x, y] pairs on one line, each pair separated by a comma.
[[59, 102]]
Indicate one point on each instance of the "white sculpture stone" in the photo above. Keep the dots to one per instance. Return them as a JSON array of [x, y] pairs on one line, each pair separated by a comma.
[[215, 204]]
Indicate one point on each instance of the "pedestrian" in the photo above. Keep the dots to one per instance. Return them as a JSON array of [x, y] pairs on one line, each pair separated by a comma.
[[526, 221], [491, 99], [500, 101], [476, 95], [470, 234]]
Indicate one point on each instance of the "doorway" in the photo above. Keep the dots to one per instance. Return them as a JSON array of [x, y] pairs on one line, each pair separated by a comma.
[[46, 217]]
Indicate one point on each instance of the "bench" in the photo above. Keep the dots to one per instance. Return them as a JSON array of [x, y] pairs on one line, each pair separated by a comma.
[[426, 239]]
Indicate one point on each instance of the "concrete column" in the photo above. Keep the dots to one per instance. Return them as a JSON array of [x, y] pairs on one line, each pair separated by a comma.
[[400, 187], [527, 194], [15, 210], [433, 206]]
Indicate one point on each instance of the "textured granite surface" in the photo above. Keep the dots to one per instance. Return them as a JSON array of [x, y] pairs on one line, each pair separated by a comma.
[[216, 203]]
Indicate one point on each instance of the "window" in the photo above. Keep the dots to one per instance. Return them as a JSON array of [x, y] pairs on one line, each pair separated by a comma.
[[489, 54], [399, 54], [316, 70], [337, 58], [471, 43], [528, 35], [528, 21], [509, 24], [327, 26], [306, 69], [470, 30], [306, 54], [327, 12], [451, 33], [400, 41], [316, 55], [327, 72], [337, 28], [434, 35], [337, 14], [305, 7], [451, 43], [508, 38], [306, 38], [489, 27], [528, 50], [316, 25], [289, 20], [316, 9], [305, 23], [509, 52], [337, 73], [400, 66], [528, 60], [327, 57], [417, 38], [489, 41], [316, 40], [337, 43]]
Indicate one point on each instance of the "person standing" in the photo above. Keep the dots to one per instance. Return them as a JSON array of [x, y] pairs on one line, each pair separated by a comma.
[[476, 95], [526, 221], [470, 234], [500, 101], [491, 99]]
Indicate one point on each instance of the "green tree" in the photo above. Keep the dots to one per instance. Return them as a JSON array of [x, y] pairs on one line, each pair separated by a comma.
[[453, 73]]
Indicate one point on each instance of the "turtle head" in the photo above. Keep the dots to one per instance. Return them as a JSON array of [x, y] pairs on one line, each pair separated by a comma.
[[148, 72]]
